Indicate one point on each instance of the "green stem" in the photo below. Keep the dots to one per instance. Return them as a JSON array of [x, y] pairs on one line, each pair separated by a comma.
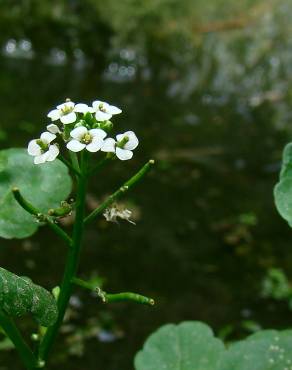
[[72, 263], [74, 160], [69, 165], [28, 207], [14, 335], [117, 297], [129, 296], [122, 190]]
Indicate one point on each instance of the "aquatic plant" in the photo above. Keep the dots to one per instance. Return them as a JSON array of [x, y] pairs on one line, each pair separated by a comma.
[[34, 189]]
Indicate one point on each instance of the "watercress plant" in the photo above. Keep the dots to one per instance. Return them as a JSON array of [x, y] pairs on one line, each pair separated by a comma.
[[34, 188]]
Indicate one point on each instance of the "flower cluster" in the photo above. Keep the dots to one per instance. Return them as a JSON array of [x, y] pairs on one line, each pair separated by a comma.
[[82, 127]]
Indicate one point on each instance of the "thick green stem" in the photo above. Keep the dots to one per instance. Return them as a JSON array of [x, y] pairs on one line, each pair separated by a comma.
[[21, 346], [71, 264], [35, 212], [122, 190]]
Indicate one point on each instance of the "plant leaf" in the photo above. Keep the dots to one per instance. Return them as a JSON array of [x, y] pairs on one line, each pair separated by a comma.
[[283, 198], [45, 186], [267, 349], [187, 346], [19, 296], [192, 346], [286, 169]]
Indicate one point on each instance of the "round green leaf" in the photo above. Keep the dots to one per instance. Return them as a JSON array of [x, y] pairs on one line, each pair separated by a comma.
[[187, 346], [283, 198], [192, 346], [265, 350], [44, 185]]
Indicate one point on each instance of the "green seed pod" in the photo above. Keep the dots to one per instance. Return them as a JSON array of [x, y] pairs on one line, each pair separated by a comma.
[[64, 210]]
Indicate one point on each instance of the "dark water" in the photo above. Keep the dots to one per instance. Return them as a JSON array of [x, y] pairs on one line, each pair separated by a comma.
[[192, 248]]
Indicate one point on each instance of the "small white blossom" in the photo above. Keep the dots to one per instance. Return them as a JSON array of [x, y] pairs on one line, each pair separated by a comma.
[[42, 150], [104, 111], [66, 112], [83, 138], [53, 129], [113, 213], [123, 146]]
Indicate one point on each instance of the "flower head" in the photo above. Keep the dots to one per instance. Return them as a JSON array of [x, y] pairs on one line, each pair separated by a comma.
[[42, 150], [83, 138], [66, 112], [104, 111], [123, 146]]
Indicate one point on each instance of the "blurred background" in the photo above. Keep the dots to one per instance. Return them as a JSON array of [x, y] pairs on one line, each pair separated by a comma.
[[207, 87]]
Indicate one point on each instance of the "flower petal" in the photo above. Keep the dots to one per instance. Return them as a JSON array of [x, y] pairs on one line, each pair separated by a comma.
[[33, 148], [40, 158], [47, 137], [96, 105], [98, 132], [68, 118], [95, 145], [52, 153], [102, 116], [75, 145], [133, 141], [124, 154], [109, 145], [53, 129], [114, 110], [67, 105], [79, 132], [54, 114], [82, 108]]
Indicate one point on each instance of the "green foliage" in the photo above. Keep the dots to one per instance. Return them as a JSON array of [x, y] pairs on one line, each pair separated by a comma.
[[276, 285], [6, 344], [191, 346], [283, 189], [19, 296], [45, 186], [187, 346]]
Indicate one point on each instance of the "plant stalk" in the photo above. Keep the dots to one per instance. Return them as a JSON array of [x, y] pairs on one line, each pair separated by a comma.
[[72, 263], [122, 190], [16, 338]]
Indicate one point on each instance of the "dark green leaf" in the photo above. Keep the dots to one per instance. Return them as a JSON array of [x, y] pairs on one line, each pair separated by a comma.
[[45, 186], [19, 296]]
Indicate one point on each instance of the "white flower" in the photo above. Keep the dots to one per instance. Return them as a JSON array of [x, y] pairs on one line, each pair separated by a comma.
[[42, 150], [104, 111], [53, 129], [92, 140], [66, 112], [123, 146]]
